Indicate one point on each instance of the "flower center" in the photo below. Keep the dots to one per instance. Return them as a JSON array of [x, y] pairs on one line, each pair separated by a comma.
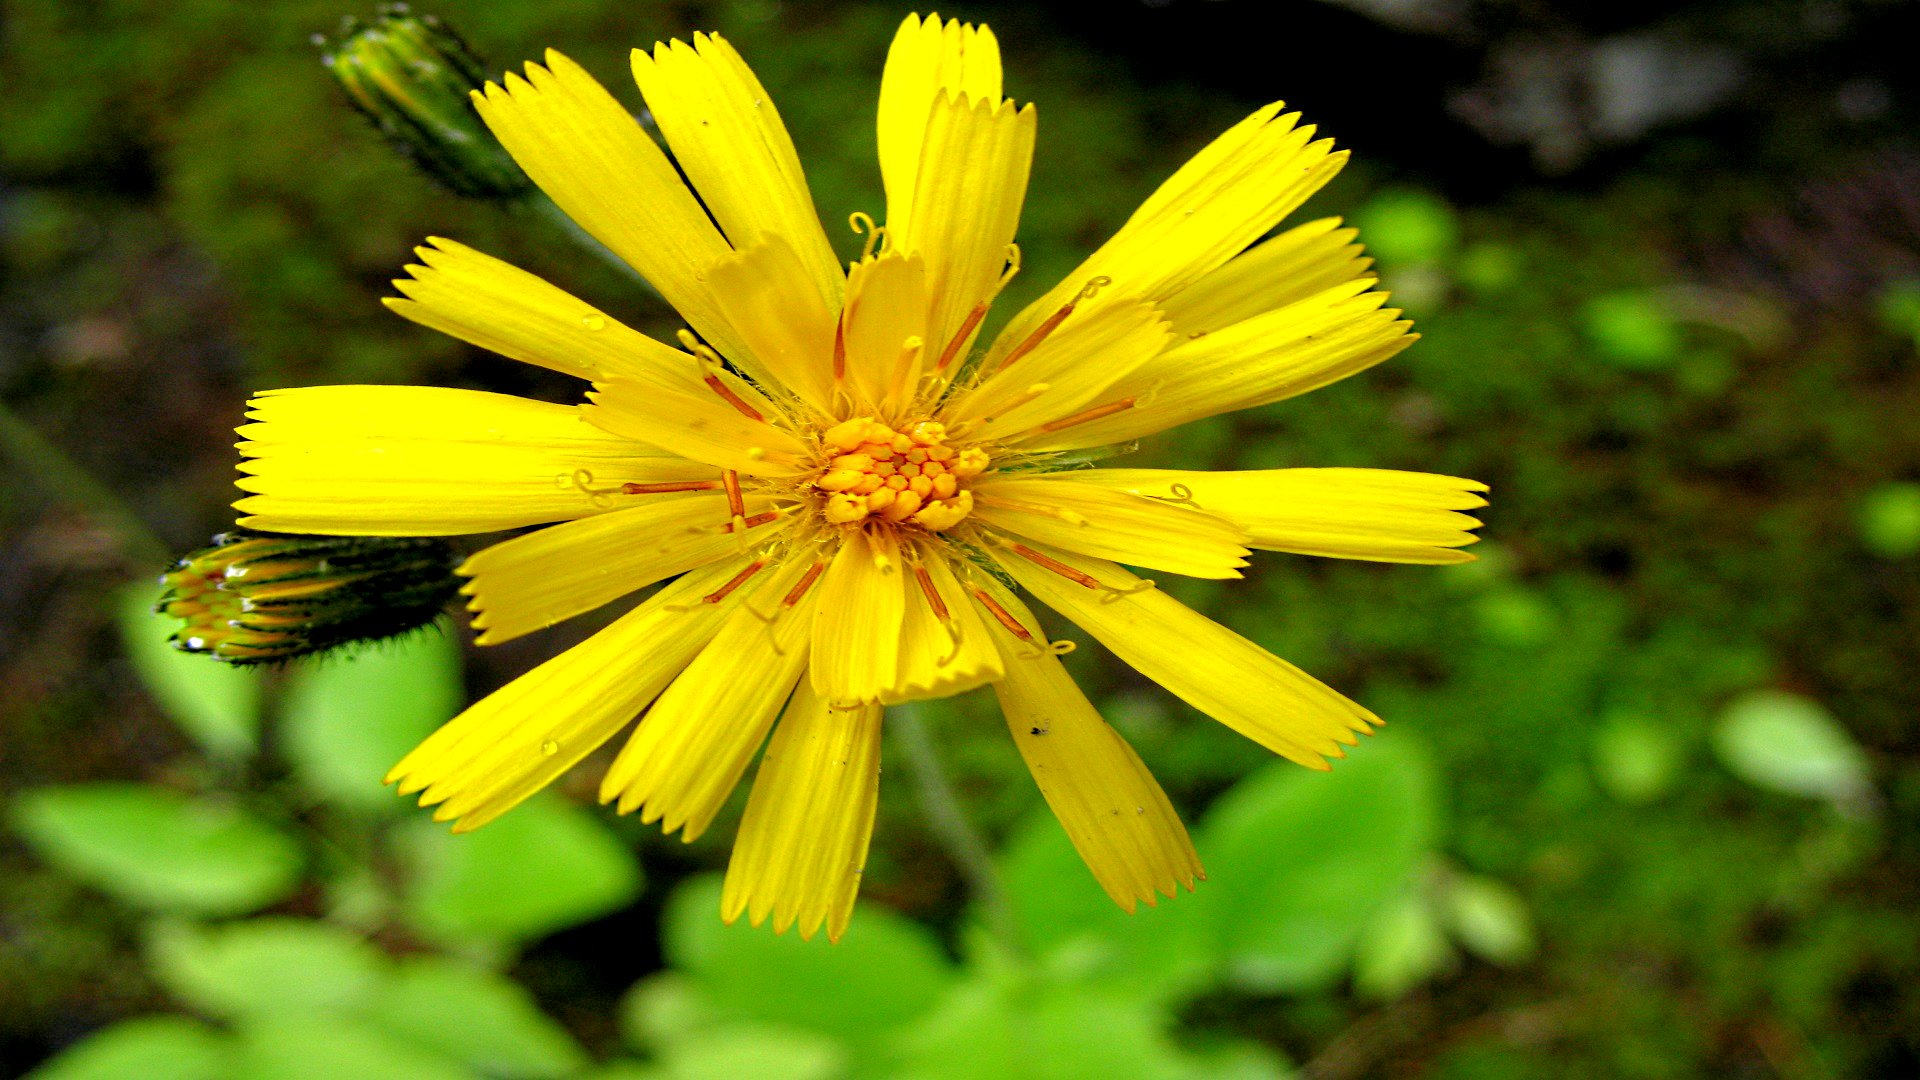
[[910, 476]]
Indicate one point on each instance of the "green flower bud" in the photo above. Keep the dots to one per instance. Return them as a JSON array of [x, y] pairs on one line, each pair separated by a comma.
[[254, 597], [410, 75]]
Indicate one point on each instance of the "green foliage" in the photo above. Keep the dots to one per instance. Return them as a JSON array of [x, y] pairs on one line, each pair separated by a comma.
[[1632, 329], [218, 706], [1402, 947], [158, 848], [1489, 918], [288, 1047], [1302, 861], [1889, 520], [147, 1048], [1407, 225], [546, 865], [1787, 743], [476, 1016], [1636, 759], [883, 974], [347, 718], [263, 967]]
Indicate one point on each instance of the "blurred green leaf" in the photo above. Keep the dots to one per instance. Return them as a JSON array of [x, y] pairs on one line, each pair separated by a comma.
[[1899, 308], [477, 1016], [740, 1051], [1015, 1029], [148, 1048], [1157, 952], [1511, 615], [1489, 918], [261, 966], [286, 1047], [1636, 759], [545, 865], [217, 704], [1298, 862], [1632, 329], [1787, 743], [1401, 947], [660, 1008], [157, 848], [1490, 267], [348, 718], [1405, 225], [885, 972], [1889, 520]]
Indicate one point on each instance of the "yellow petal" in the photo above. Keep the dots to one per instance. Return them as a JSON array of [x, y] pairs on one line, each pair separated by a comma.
[[1291, 267], [1203, 663], [495, 305], [927, 60], [1229, 195], [1377, 514], [533, 581], [590, 156], [856, 633], [1112, 524], [727, 136], [699, 424], [943, 650], [516, 740], [1096, 346], [690, 749], [966, 206], [430, 461], [1257, 361], [803, 841], [884, 328], [780, 316], [1118, 818]]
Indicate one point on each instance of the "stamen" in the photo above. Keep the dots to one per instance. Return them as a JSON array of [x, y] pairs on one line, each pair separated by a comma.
[[933, 595], [1062, 647], [728, 395], [967, 327], [862, 224], [1096, 413], [753, 522], [1056, 566], [999, 613], [662, 489], [806, 582], [1054, 320], [739, 579], [582, 479], [1013, 265], [736, 502]]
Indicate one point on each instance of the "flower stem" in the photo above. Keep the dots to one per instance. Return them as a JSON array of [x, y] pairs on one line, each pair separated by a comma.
[[65, 478], [964, 843]]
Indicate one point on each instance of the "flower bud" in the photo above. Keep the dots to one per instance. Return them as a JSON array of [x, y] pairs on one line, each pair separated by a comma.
[[255, 597], [411, 75]]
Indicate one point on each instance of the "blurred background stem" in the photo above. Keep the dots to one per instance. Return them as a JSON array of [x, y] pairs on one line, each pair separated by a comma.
[[69, 481], [948, 820]]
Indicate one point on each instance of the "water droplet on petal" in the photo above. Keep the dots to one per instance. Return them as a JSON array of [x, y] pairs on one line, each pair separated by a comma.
[[549, 748], [594, 322]]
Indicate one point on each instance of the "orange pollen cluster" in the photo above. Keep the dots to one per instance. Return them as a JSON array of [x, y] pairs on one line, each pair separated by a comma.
[[897, 477]]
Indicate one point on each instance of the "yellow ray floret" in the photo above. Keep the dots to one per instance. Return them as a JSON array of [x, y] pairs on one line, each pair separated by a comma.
[[803, 841], [1113, 524], [927, 60]]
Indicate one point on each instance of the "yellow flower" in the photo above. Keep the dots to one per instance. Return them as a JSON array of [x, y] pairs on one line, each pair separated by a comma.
[[840, 489]]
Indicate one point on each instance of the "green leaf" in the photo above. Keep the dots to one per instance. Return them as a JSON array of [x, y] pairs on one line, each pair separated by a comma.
[[1636, 759], [477, 1016], [149, 1048], [1632, 329], [217, 704], [1787, 743], [661, 1008], [347, 719], [261, 966], [1299, 861], [1490, 918], [546, 865], [287, 1047], [1889, 520], [738, 1051], [1157, 952], [885, 972], [157, 848], [1015, 1029], [1408, 226], [1401, 948]]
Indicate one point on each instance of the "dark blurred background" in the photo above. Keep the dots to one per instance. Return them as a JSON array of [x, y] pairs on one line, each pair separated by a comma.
[[1646, 805]]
